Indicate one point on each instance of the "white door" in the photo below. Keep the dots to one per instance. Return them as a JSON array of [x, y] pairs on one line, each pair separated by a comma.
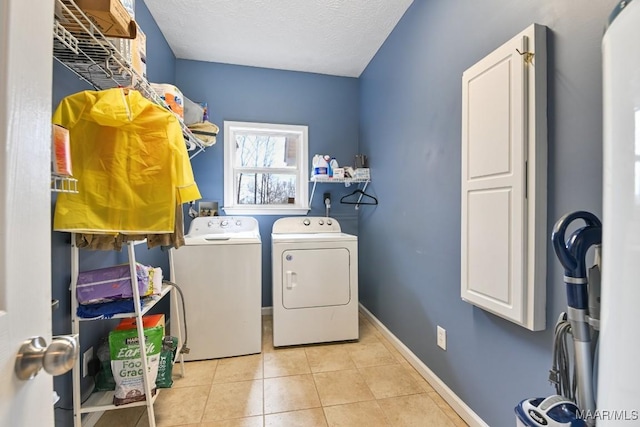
[[25, 234], [493, 180], [619, 372], [315, 278], [503, 232]]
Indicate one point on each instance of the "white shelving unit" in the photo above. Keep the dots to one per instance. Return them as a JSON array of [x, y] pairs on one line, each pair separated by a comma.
[[346, 181], [80, 46], [103, 401]]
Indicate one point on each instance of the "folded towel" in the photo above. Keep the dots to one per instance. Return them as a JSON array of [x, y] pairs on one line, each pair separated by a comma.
[[106, 310]]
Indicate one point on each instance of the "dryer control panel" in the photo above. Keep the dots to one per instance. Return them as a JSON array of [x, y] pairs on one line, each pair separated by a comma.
[[206, 225], [306, 224]]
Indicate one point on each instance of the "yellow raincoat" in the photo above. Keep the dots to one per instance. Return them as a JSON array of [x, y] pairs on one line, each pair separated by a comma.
[[131, 163]]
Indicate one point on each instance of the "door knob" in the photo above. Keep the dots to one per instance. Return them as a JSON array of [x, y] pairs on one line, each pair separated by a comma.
[[56, 358]]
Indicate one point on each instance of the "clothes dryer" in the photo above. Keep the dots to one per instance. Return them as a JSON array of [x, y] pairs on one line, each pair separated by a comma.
[[315, 281], [219, 271]]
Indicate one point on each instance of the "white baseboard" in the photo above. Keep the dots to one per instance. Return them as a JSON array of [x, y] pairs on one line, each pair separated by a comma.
[[461, 408]]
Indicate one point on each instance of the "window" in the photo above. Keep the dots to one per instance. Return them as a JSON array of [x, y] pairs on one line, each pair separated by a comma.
[[265, 168]]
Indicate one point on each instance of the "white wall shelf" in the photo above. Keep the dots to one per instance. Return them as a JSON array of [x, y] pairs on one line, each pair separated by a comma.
[[346, 181]]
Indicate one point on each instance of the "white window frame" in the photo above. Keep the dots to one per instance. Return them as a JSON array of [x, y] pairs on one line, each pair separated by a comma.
[[301, 206]]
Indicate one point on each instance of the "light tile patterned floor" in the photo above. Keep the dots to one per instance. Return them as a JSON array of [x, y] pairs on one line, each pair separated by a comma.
[[364, 383]]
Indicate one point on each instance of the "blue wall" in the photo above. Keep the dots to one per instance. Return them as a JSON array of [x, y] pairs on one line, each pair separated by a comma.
[[327, 105], [410, 126], [404, 113], [161, 68]]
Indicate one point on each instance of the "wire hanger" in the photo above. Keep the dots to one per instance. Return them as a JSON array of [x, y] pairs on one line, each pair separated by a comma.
[[363, 199]]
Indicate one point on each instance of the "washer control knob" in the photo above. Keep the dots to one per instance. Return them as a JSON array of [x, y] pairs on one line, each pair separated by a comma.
[[238, 223], [224, 223], [321, 222], [306, 222], [329, 222]]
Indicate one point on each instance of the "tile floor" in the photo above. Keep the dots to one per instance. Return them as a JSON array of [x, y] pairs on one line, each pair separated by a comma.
[[365, 383]]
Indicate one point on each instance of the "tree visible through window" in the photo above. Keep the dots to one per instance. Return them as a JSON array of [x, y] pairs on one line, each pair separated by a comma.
[[265, 167]]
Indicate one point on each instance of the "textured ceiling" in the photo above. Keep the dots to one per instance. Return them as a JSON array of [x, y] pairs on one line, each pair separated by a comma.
[[336, 37]]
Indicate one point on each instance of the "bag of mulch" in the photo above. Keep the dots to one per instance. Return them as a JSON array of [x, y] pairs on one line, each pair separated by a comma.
[[165, 365], [126, 363]]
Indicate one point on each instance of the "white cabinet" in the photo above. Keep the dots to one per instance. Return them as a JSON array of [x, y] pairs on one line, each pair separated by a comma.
[[504, 175]]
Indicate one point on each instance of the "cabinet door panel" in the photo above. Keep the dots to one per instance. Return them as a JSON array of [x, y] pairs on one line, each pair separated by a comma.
[[503, 204], [489, 118], [489, 264]]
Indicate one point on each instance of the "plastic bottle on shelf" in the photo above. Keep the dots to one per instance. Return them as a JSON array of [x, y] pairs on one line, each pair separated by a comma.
[[320, 165], [333, 165]]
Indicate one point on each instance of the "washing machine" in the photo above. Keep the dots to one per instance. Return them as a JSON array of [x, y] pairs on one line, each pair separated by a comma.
[[219, 270], [315, 281]]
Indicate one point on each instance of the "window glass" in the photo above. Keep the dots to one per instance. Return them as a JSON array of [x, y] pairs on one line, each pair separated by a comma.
[[265, 168]]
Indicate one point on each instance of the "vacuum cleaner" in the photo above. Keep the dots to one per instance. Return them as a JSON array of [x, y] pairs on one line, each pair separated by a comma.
[[553, 411], [576, 396]]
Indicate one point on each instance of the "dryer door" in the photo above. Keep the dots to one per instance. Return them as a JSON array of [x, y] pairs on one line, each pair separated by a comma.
[[315, 278]]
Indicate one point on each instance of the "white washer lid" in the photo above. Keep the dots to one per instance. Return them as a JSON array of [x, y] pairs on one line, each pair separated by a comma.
[[222, 239]]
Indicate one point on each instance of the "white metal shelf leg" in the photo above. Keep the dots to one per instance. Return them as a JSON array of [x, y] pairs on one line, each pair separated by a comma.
[[75, 328], [179, 355], [313, 191], [176, 310], [361, 194], [141, 338]]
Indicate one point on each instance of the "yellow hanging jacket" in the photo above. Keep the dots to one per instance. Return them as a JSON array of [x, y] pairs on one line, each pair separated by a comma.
[[131, 162]]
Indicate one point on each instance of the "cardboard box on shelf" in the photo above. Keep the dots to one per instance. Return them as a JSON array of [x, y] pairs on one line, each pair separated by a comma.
[[338, 172], [110, 16], [362, 173], [133, 51], [139, 53], [60, 151]]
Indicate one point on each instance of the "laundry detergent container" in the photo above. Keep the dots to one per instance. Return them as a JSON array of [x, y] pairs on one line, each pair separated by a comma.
[[552, 411]]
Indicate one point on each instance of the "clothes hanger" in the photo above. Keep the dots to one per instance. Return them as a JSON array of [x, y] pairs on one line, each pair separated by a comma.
[[361, 195]]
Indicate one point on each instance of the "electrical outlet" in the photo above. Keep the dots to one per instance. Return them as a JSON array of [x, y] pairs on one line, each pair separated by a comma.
[[86, 358], [442, 338]]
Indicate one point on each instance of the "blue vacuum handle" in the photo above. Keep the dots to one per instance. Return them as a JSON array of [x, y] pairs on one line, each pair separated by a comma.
[[572, 252]]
